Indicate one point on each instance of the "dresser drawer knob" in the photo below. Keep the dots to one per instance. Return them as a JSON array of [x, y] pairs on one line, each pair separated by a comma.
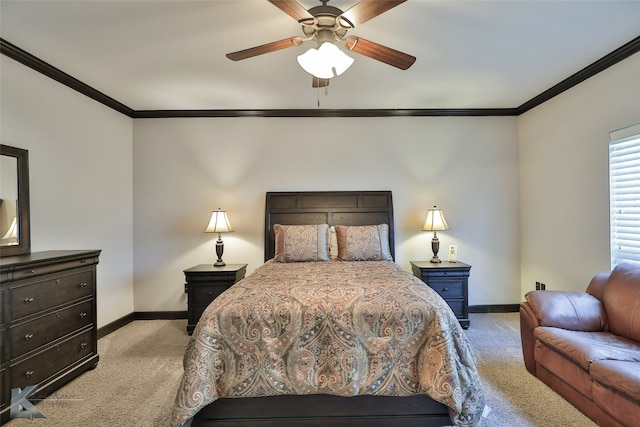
[[29, 373], [83, 284], [28, 337], [445, 289], [83, 345], [57, 281], [83, 315], [28, 300]]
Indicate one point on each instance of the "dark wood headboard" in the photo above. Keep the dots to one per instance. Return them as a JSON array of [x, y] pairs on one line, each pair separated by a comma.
[[326, 207]]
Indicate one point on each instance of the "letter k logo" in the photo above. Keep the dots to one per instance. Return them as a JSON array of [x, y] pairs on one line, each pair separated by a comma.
[[21, 407]]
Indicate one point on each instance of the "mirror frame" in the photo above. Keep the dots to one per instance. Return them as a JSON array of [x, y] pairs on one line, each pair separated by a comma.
[[24, 245]]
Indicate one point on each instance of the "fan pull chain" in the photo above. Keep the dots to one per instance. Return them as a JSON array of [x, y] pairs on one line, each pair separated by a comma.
[[326, 93]]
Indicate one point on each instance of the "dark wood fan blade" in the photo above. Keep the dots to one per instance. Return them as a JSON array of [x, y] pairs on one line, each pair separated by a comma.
[[293, 9], [368, 9], [318, 82], [265, 48], [380, 53]]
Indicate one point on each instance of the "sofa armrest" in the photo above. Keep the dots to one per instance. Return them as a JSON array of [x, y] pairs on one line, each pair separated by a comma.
[[598, 284], [528, 322], [577, 311]]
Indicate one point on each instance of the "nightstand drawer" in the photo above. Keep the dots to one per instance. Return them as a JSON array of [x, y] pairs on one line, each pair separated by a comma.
[[457, 306], [448, 288], [206, 294], [445, 274]]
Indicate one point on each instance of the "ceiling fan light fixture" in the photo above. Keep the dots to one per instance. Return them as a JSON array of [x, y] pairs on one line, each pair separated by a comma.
[[326, 62]]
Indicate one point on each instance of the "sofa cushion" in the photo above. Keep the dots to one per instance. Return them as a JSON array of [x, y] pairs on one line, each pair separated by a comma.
[[577, 311], [618, 375], [622, 301], [554, 366], [587, 347], [615, 390]]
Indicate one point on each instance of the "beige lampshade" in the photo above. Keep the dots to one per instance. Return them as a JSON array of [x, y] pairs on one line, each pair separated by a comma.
[[219, 223], [435, 220], [12, 233]]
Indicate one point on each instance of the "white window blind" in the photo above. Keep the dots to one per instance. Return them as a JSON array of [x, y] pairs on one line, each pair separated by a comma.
[[624, 195]]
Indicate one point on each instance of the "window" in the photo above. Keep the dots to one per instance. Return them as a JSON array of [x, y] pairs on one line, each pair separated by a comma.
[[624, 195]]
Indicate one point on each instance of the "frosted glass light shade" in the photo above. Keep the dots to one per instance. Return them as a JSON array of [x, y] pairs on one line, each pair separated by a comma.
[[325, 62]]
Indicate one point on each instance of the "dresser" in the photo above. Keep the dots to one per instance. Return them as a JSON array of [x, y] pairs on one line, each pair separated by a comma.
[[451, 281], [203, 283], [48, 320]]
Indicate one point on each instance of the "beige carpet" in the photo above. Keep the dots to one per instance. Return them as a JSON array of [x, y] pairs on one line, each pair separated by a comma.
[[140, 367]]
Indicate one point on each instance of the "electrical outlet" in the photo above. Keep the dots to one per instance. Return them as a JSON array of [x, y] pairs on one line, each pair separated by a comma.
[[537, 286]]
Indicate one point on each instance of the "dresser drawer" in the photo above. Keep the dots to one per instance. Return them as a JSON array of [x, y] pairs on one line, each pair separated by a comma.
[[31, 335], [48, 363], [448, 288], [39, 270], [2, 307], [30, 299]]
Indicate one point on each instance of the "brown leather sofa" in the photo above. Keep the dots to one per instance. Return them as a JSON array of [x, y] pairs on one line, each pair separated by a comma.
[[586, 345]]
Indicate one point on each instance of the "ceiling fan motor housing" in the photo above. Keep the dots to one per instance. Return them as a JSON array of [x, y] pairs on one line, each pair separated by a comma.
[[326, 27]]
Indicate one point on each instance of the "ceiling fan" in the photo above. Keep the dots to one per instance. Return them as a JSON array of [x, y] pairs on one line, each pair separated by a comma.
[[329, 24]]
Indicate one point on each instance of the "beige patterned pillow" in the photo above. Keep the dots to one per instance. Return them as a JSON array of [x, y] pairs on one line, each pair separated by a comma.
[[363, 243], [301, 243]]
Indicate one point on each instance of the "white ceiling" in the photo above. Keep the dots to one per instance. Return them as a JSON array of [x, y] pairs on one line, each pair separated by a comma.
[[170, 55]]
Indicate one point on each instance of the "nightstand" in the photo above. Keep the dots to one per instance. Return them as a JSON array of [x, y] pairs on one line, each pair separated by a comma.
[[204, 283], [451, 281]]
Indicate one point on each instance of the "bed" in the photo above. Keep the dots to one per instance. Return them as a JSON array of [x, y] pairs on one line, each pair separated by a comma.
[[329, 331]]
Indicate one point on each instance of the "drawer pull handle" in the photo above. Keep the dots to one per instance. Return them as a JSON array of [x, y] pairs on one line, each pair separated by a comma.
[[445, 289], [28, 300], [83, 315], [57, 281], [28, 337], [83, 284], [29, 373], [83, 345]]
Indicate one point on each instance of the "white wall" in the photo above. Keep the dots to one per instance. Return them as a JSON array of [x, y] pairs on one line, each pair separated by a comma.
[[80, 164], [185, 168], [564, 201], [526, 197]]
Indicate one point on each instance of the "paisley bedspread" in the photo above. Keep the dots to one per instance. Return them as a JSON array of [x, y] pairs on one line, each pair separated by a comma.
[[340, 328]]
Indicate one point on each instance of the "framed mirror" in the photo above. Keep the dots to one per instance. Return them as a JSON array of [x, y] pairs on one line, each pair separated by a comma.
[[15, 237]]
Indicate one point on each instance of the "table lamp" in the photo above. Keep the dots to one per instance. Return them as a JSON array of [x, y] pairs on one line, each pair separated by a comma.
[[219, 223], [435, 222]]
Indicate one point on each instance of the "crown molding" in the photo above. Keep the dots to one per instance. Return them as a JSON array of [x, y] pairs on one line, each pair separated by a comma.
[[14, 52], [160, 114], [602, 64], [60, 76]]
